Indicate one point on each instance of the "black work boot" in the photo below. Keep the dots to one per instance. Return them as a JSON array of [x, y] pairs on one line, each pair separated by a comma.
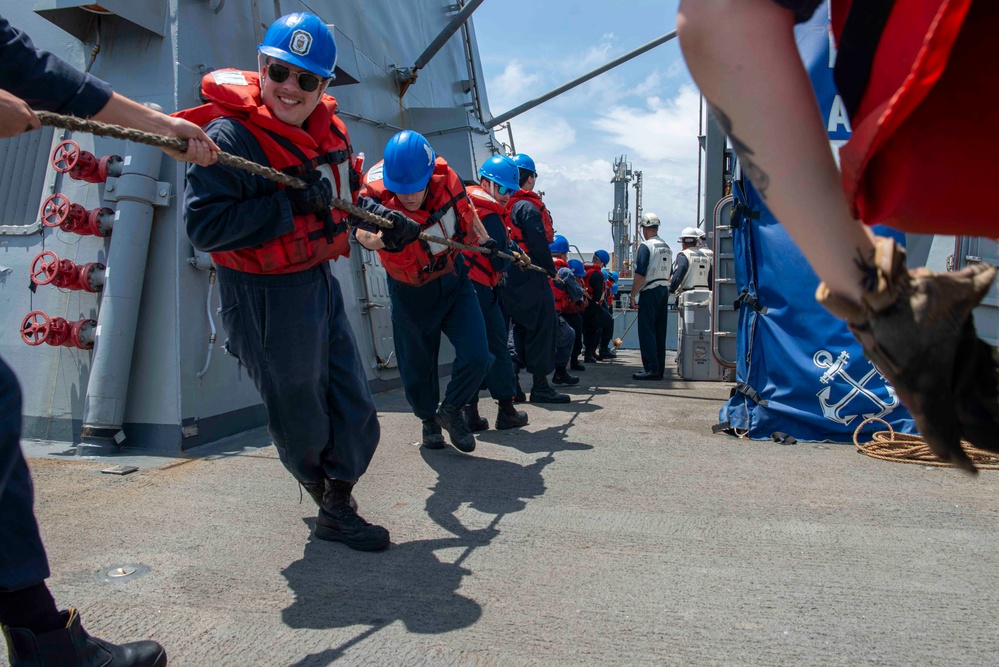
[[562, 376], [432, 436], [575, 365], [605, 351], [339, 522], [473, 420], [509, 416], [450, 419], [542, 392], [589, 358], [73, 647], [519, 396], [318, 489]]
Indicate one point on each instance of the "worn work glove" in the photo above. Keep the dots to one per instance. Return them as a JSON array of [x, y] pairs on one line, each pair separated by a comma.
[[916, 327], [316, 198], [521, 259], [404, 231], [490, 244]]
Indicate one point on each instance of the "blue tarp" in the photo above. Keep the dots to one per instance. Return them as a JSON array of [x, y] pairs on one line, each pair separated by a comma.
[[800, 371]]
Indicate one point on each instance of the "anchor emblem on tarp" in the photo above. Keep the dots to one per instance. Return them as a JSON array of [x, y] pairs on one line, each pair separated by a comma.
[[836, 368]]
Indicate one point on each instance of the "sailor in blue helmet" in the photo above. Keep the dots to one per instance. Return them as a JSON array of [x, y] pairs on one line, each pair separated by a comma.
[[607, 334], [35, 631], [650, 291], [497, 181], [528, 299], [429, 286], [596, 319], [574, 316], [272, 247]]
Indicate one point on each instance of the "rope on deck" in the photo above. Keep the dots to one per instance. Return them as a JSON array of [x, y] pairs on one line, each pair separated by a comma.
[[98, 128], [908, 448]]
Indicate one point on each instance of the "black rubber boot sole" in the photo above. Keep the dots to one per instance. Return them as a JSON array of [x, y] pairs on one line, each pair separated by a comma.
[[331, 534]]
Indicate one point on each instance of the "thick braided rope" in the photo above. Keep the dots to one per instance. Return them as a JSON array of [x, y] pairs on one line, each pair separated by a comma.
[[117, 132], [906, 448]]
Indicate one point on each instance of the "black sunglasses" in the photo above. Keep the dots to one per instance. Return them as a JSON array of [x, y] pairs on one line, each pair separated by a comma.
[[306, 81]]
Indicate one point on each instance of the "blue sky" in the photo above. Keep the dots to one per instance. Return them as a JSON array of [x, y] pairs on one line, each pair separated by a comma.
[[646, 109]]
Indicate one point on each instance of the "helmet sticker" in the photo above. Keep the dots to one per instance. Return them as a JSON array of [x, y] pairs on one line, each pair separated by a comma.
[[430, 153], [300, 43]]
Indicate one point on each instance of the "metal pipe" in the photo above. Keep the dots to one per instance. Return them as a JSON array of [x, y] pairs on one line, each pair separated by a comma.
[[456, 22], [135, 192], [502, 118], [211, 322]]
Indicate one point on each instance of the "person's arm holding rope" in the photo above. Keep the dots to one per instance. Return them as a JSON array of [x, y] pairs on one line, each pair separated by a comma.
[[40, 80]]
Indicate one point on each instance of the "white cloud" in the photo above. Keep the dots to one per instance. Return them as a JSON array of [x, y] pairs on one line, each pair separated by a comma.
[[664, 130], [514, 86]]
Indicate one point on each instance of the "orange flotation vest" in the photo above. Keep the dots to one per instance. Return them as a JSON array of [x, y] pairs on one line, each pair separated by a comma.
[[446, 212], [546, 216], [323, 144], [480, 269], [919, 81]]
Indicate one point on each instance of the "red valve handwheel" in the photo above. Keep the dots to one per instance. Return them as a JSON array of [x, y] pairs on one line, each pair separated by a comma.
[[55, 210], [65, 156], [35, 328], [43, 272]]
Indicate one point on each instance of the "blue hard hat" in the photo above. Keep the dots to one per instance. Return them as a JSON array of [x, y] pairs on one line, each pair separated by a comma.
[[613, 276], [501, 170], [603, 255], [303, 40], [408, 163], [577, 267], [524, 161], [606, 272], [560, 244]]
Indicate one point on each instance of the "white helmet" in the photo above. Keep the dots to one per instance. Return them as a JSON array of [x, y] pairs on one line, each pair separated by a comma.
[[649, 220], [689, 233]]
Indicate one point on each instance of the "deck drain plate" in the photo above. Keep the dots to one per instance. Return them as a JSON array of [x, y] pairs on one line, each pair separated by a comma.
[[122, 572]]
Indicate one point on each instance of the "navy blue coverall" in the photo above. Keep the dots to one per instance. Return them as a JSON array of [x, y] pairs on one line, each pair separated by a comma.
[[596, 319], [47, 83], [289, 330], [499, 380], [566, 334], [653, 314], [528, 298]]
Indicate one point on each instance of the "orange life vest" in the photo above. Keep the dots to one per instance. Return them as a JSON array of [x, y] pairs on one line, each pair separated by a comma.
[[546, 216], [480, 268], [561, 295], [447, 213], [590, 270], [374, 186], [322, 144], [919, 83]]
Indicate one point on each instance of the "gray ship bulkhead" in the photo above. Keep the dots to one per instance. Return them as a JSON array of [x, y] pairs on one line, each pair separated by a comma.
[[167, 407]]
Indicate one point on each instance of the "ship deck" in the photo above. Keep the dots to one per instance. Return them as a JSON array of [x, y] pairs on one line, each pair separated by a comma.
[[614, 530]]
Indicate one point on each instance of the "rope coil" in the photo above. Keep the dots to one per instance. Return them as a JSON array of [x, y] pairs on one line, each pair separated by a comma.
[[138, 136], [907, 448]]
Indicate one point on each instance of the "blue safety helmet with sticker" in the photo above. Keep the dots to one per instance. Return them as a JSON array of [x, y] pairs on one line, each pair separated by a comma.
[[603, 255], [577, 267], [408, 163], [303, 40], [560, 244], [613, 276], [502, 171], [524, 161]]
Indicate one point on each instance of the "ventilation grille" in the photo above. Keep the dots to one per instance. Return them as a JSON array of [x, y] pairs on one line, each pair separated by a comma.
[[23, 162]]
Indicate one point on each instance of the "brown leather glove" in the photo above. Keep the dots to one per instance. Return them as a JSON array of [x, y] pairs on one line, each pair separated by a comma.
[[916, 327]]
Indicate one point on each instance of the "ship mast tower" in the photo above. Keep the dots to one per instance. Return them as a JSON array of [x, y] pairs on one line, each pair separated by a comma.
[[619, 218]]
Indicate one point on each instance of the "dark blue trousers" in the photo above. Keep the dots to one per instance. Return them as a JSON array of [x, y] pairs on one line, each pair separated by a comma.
[[565, 336], [22, 557], [531, 306], [653, 314], [292, 334], [420, 315], [575, 320], [499, 380]]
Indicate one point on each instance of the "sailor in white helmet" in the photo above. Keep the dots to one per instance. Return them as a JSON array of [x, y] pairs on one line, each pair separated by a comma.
[[702, 243], [651, 287], [692, 269]]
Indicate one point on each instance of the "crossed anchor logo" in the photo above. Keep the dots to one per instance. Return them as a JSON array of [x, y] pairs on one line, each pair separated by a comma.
[[837, 369]]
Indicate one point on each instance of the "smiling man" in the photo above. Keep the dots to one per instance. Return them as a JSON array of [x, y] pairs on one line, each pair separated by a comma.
[[281, 306]]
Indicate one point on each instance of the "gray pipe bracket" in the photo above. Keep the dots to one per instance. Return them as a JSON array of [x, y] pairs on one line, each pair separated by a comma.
[[132, 187]]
